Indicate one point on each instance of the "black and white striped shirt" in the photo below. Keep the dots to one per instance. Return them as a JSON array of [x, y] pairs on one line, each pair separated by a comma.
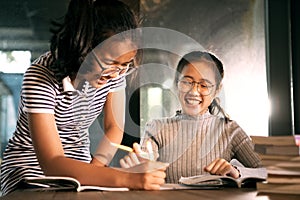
[[74, 111]]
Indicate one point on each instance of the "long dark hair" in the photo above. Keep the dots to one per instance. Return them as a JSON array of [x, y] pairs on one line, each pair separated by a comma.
[[215, 107], [86, 24]]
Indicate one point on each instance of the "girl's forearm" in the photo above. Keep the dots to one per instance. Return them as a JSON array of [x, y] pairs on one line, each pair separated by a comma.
[[87, 173]]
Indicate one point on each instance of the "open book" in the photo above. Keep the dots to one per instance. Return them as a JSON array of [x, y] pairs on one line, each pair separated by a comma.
[[248, 176], [64, 183]]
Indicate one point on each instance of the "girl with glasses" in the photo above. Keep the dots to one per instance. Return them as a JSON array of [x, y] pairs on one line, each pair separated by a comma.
[[200, 138], [64, 91]]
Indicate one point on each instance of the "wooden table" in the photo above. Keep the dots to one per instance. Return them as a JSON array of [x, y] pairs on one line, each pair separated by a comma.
[[223, 194]]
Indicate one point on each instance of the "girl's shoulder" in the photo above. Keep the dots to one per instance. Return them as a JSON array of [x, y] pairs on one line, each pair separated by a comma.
[[232, 124], [233, 128], [45, 59], [41, 65]]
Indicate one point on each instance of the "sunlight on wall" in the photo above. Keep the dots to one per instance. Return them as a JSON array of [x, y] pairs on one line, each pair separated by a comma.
[[246, 99], [154, 102], [245, 110], [15, 61], [8, 116]]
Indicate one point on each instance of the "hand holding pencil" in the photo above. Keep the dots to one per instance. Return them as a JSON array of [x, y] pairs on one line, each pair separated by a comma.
[[137, 155]]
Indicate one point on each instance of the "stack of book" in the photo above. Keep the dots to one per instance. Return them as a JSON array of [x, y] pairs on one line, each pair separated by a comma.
[[281, 157]]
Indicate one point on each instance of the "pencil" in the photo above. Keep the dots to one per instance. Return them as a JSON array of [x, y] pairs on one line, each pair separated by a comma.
[[123, 147], [150, 150]]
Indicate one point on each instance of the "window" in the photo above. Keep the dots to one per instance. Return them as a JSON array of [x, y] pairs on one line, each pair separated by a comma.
[[13, 65], [235, 32]]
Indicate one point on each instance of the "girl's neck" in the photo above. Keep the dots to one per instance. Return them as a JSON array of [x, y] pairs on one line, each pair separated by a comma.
[[200, 115]]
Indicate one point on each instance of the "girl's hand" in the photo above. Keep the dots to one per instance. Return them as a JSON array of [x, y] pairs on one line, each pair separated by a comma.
[[134, 158], [221, 167], [149, 175], [153, 180]]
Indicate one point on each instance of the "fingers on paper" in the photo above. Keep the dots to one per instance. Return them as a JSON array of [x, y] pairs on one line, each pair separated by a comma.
[[219, 166], [154, 180], [129, 160]]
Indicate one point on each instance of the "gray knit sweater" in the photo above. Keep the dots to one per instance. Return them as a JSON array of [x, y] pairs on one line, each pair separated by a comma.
[[190, 143]]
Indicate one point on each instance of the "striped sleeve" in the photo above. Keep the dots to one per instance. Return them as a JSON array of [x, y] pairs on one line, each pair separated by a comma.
[[38, 91], [243, 146], [118, 84]]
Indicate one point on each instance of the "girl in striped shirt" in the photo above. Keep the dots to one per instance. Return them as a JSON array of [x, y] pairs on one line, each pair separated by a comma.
[[64, 91]]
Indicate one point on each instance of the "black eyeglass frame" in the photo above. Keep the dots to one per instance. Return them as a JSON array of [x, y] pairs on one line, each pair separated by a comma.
[[128, 69], [191, 84]]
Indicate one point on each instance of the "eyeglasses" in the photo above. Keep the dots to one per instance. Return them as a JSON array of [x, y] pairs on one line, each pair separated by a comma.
[[122, 70], [185, 85]]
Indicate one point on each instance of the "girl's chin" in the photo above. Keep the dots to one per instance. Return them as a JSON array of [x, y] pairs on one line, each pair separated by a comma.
[[192, 108], [97, 86], [101, 82], [192, 112]]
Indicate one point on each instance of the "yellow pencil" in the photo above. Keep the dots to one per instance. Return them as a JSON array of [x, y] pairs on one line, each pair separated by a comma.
[[150, 150], [123, 147]]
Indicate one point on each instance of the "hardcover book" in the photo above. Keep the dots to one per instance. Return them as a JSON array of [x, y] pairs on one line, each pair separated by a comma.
[[293, 140]]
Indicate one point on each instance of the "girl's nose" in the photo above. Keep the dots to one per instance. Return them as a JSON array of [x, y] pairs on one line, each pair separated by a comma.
[[195, 89]]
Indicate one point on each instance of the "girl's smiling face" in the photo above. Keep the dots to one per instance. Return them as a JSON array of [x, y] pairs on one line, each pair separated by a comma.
[[200, 77], [115, 54]]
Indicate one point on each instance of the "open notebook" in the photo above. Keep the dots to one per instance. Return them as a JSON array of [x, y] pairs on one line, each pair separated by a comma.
[[64, 183], [249, 175]]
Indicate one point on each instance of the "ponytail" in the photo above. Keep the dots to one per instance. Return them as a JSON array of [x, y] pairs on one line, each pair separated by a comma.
[[215, 108]]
